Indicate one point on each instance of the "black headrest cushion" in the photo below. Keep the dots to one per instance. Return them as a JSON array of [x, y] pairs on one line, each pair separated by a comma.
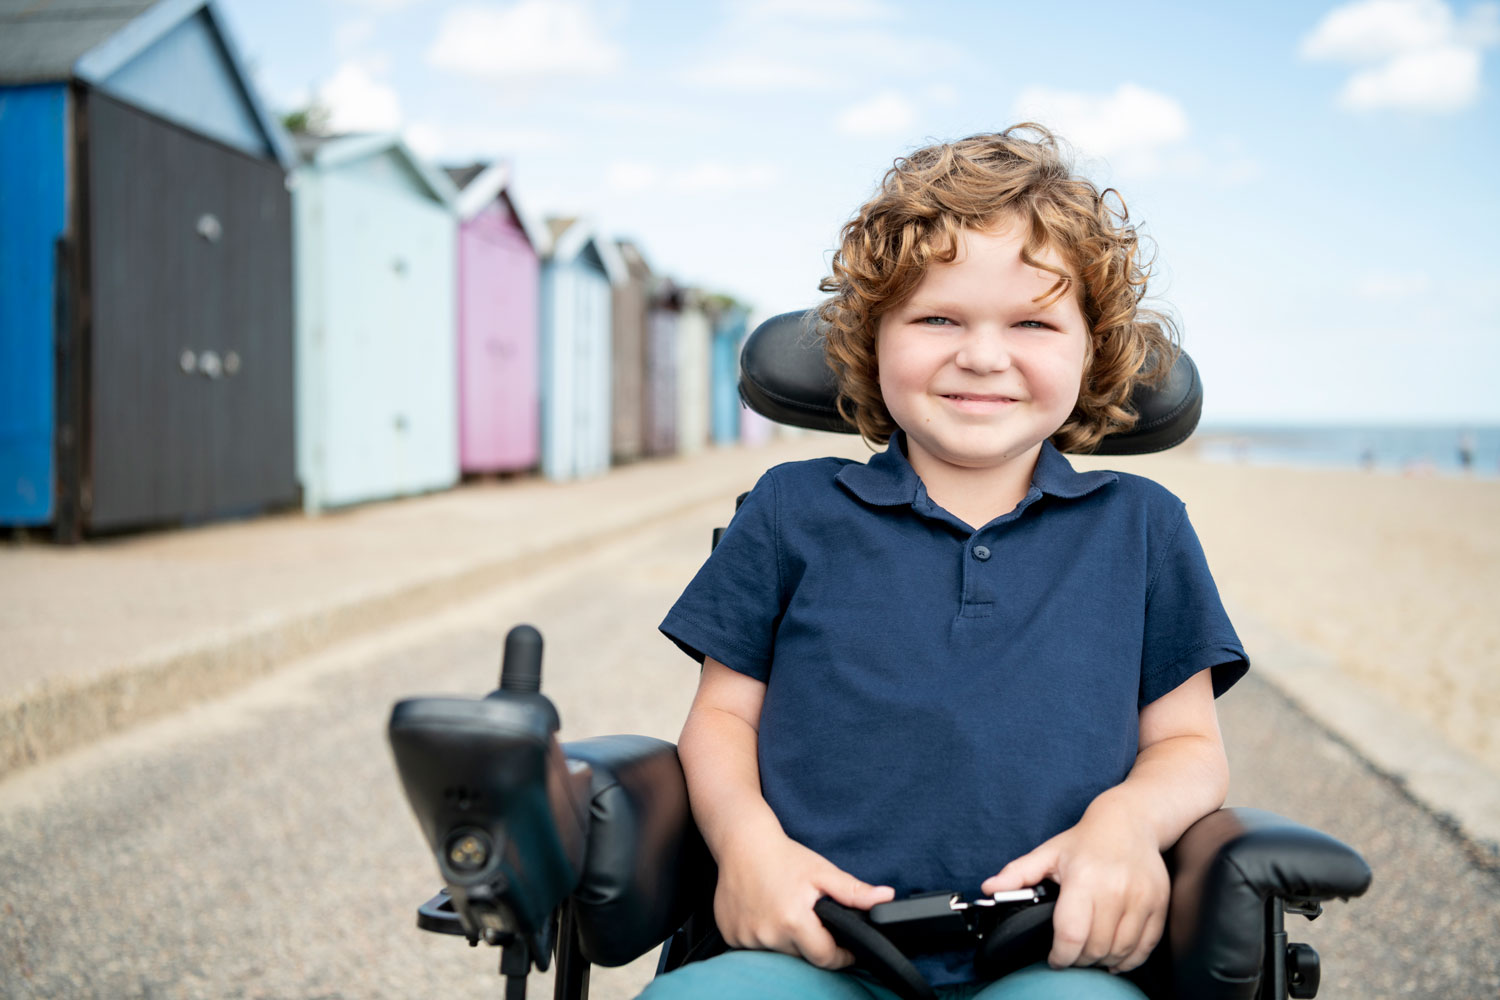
[[784, 377]]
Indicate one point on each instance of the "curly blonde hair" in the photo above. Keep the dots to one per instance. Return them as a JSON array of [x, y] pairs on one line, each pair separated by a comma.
[[928, 199]]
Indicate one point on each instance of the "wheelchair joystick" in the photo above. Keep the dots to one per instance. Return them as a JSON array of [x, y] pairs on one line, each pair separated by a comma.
[[505, 815], [521, 666]]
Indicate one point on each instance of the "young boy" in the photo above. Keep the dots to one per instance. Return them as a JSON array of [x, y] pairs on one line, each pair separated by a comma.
[[961, 665]]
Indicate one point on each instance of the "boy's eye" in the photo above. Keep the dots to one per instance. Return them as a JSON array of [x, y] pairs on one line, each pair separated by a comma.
[[1035, 324], [936, 321]]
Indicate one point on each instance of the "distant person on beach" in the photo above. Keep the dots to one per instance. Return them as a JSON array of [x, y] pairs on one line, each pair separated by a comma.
[[1466, 452], [961, 665]]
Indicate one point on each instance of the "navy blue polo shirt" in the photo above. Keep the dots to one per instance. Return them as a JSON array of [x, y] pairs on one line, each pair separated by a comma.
[[940, 699]]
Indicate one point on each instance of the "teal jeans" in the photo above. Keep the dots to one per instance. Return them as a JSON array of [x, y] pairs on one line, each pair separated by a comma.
[[768, 975]]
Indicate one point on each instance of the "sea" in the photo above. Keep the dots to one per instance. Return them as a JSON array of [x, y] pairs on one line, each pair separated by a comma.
[[1431, 450]]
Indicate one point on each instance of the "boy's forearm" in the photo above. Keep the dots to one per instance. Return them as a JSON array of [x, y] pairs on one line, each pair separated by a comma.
[[718, 753], [1174, 783]]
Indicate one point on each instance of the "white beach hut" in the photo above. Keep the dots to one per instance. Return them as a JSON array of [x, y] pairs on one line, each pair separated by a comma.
[[694, 373], [377, 409]]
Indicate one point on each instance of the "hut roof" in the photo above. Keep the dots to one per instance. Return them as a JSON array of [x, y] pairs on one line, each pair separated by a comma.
[[635, 261], [91, 40], [41, 42], [480, 184], [461, 176], [572, 236], [330, 151]]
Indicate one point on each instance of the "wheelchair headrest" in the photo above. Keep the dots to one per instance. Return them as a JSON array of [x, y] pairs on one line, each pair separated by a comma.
[[784, 377]]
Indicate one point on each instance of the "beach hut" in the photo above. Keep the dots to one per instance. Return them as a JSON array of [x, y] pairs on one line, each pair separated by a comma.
[[661, 369], [377, 371], [628, 386], [724, 374], [499, 285], [145, 270], [577, 275], [694, 370]]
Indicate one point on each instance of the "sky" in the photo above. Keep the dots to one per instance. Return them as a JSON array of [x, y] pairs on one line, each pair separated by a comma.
[[1318, 179]]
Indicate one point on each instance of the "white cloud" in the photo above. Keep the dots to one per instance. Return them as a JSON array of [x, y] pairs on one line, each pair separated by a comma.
[[1376, 29], [453, 143], [358, 102], [821, 10], [942, 94], [1132, 127], [1417, 55], [757, 73], [714, 175], [383, 5], [772, 47], [629, 177], [349, 36], [1389, 286], [887, 113], [1442, 78], [711, 176], [527, 39]]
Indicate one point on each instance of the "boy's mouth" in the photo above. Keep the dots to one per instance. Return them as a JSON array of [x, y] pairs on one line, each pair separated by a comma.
[[978, 404], [974, 397]]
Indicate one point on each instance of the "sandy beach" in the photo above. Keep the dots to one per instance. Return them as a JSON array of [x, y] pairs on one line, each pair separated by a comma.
[[1395, 579]]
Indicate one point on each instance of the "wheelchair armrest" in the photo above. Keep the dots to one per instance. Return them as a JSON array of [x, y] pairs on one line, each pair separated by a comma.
[[1225, 868], [645, 866]]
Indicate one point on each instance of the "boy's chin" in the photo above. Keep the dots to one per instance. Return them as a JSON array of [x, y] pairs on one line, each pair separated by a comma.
[[982, 458]]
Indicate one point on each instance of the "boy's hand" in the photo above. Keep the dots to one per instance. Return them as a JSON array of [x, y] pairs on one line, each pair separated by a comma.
[[765, 898], [1114, 888]]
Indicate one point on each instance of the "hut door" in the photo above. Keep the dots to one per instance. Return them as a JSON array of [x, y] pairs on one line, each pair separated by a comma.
[[191, 390]]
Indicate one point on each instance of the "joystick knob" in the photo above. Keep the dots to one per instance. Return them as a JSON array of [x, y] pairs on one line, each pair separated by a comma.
[[521, 666]]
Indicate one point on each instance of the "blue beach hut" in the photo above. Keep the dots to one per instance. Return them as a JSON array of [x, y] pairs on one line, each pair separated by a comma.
[[377, 338], [729, 332], [145, 270], [578, 273]]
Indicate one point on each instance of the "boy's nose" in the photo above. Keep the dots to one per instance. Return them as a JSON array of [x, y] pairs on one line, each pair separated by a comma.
[[983, 351]]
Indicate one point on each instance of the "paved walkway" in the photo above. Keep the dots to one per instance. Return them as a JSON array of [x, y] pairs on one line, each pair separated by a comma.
[[104, 635]]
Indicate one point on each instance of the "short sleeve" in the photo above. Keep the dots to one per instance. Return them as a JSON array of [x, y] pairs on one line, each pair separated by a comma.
[[733, 605], [1187, 629]]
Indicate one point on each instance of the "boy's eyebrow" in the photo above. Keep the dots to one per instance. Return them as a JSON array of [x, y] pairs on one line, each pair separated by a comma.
[[1048, 301]]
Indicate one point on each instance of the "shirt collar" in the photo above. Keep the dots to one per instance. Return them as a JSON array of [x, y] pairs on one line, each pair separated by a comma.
[[888, 479]]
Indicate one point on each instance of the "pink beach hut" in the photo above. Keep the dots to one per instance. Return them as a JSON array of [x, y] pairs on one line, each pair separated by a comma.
[[499, 275]]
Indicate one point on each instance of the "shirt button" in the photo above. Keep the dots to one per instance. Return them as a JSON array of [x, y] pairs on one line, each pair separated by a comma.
[[981, 552]]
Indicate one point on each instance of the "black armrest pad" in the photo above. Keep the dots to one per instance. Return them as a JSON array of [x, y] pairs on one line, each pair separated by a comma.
[[784, 377], [645, 866], [1224, 869]]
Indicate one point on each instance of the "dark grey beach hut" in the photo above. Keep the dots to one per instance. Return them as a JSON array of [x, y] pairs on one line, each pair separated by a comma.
[[149, 180]]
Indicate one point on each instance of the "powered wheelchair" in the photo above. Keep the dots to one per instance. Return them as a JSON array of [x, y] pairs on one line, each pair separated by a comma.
[[585, 852]]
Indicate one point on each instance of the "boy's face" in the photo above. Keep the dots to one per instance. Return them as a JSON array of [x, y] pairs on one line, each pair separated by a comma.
[[973, 367]]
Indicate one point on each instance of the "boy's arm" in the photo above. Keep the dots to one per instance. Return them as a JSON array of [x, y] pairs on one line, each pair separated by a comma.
[[768, 883], [1113, 903]]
